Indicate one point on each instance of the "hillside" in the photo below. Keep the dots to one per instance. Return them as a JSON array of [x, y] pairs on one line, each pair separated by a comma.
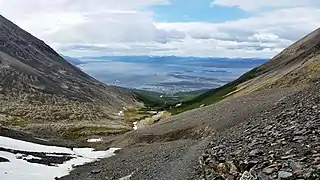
[[43, 93], [297, 65], [264, 125]]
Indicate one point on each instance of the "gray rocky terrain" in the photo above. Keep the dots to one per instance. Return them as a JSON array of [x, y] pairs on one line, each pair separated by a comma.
[[268, 129], [42, 93], [281, 143]]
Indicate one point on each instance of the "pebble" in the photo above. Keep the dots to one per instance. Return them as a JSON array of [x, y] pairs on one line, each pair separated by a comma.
[[284, 174], [96, 171]]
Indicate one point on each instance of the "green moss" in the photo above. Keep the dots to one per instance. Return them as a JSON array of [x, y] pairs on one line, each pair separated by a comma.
[[17, 122], [133, 115]]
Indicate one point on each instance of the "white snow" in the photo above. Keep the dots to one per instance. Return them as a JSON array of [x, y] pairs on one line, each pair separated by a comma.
[[10, 143], [178, 105], [120, 113], [19, 169], [127, 177], [29, 157], [135, 125], [95, 140]]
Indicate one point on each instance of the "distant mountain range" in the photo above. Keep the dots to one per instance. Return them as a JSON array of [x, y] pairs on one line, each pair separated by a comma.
[[166, 74]]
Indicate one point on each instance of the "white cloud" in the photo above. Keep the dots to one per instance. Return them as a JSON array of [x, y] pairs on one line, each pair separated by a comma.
[[126, 27], [261, 36], [253, 5]]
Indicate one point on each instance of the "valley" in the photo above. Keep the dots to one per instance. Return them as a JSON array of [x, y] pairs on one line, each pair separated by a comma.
[[193, 118]]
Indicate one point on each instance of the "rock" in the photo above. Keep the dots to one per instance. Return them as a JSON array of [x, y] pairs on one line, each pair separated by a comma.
[[316, 155], [262, 176], [269, 170], [295, 166], [222, 159], [255, 152], [3, 160], [233, 170], [268, 127], [316, 160], [299, 139], [247, 176], [222, 168], [284, 175], [287, 157], [95, 171]]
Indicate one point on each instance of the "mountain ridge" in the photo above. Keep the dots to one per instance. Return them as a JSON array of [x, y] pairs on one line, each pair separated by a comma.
[[39, 89]]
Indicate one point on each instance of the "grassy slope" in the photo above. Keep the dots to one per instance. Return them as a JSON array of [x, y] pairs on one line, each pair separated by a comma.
[[194, 99], [155, 102]]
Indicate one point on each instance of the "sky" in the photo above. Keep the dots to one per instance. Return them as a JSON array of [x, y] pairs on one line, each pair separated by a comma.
[[216, 28]]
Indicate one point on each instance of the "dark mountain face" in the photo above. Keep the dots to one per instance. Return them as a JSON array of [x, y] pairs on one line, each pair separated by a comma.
[[36, 84]]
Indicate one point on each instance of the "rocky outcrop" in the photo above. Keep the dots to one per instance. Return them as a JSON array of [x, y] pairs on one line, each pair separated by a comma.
[[3, 160], [282, 143]]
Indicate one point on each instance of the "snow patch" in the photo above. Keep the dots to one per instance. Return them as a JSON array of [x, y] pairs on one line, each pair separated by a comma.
[[127, 177], [19, 169], [120, 113], [178, 105], [135, 125], [95, 140]]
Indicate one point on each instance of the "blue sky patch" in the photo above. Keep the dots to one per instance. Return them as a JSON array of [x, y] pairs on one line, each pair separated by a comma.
[[196, 10]]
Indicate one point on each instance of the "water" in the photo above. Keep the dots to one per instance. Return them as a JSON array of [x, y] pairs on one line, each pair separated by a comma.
[[167, 74]]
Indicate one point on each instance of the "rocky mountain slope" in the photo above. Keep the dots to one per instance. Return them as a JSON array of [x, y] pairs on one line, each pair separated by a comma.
[[280, 143], [297, 65], [264, 127], [40, 91]]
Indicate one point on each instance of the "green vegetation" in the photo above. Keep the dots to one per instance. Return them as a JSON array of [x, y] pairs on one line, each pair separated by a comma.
[[192, 100], [133, 115], [152, 100], [214, 95], [159, 101], [17, 122], [84, 131]]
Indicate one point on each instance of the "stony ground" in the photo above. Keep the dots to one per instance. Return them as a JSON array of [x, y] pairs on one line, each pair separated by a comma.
[[283, 143], [170, 150], [267, 135]]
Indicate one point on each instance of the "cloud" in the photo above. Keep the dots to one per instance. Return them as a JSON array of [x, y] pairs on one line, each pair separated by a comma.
[[263, 35], [127, 27], [254, 5]]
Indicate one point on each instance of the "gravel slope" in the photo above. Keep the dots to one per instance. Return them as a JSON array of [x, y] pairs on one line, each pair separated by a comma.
[[282, 143], [204, 121], [173, 148]]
